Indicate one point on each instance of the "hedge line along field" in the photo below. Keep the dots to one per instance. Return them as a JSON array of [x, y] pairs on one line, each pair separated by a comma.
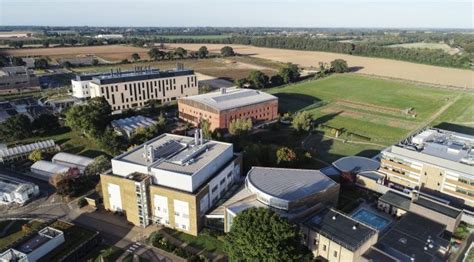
[[383, 110]]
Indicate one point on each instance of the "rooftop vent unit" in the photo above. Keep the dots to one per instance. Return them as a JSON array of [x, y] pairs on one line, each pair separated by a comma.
[[191, 155]]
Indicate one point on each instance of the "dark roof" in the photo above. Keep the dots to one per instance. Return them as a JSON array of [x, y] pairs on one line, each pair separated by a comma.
[[340, 229], [356, 164], [376, 255], [396, 199], [84, 77], [438, 207], [138, 76], [409, 238]]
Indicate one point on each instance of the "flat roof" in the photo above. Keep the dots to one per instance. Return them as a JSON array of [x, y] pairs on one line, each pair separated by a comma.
[[341, 228], [396, 199], [289, 184], [376, 255], [447, 149], [138, 75], [411, 235], [438, 207], [131, 123], [169, 149], [374, 175], [356, 164], [230, 99]]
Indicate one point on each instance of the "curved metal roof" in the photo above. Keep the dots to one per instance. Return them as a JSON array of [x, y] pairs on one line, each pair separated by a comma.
[[288, 184], [356, 164], [72, 159]]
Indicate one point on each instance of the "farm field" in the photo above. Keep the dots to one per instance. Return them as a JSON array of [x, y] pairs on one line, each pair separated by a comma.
[[194, 36], [446, 48], [378, 109], [230, 69], [366, 65], [110, 52]]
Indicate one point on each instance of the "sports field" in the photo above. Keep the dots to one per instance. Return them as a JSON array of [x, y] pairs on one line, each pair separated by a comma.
[[381, 111]]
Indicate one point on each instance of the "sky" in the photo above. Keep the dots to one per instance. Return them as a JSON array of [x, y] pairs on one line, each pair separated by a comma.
[[240, 13]]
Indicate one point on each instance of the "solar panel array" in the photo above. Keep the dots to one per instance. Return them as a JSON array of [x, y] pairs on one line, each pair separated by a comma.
[[167, 149]]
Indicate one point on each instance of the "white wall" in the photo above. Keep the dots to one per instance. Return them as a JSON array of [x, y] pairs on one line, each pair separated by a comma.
[[172, 179], [161, 208], [46, 248], [181, 214], [80, 89], [211, 168], [122, 168], [115, 198]]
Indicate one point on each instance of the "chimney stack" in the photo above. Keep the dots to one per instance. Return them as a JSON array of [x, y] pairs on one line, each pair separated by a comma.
[[196, 137], [201, 137], [223, 90]]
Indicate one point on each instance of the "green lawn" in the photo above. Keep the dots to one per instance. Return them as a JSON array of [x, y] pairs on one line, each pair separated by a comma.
[[459, 116], [205, 240], [71, 142], [15, 231], [363, 105]]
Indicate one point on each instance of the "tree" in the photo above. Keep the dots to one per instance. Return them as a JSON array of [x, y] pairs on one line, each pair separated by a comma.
[[45, 43], [35, 155], [302, 121], [98, 166], [289, 73], [16, 44], [154, 53], [180, 52], [227, 51], [240, 82], [17, 61], [239, 126], [46, 123], [67, 64], [276, 80], [95, 62], [339, 66], [285, 156], [258, 79], [203, 52], [259, 234], [135, 57], [90, 118], [41, 63], [205, 125], [16, 127]]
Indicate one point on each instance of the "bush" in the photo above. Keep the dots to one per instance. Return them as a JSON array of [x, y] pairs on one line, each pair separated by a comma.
[[82, 202]]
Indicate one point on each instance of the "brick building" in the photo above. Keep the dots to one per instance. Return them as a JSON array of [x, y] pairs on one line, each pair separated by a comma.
[[220, 108]]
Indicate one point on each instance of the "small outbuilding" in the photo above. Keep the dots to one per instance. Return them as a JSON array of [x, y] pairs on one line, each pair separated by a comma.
[[44, 170], [72, 160]]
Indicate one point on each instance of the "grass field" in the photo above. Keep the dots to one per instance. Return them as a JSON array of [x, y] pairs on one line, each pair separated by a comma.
[[71, 142], [369, 107], [421, 45]]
